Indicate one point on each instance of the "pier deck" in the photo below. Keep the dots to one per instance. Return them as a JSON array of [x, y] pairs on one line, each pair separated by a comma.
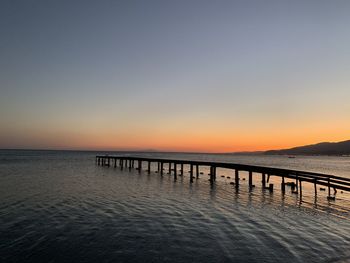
[[329, 181]]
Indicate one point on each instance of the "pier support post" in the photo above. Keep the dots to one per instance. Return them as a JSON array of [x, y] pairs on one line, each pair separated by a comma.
[[169, 172], [212, 174], [236, 178], [191, 173], [250, 179], [315, 186], [175, 172], [300, 189], [140, 166], [115, 162], [158, 166], [161, 168], [329, 187], [149, 167], [263, 180], [182, 169], [197, 171], [283, 185]]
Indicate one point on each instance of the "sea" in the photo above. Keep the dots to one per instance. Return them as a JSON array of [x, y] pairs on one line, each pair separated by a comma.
[[60, 206]]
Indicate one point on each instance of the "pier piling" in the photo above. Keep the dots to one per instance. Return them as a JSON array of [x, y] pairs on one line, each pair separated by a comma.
[[236, 178]]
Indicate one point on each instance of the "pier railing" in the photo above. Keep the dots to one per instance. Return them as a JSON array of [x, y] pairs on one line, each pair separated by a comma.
[[329, 181]]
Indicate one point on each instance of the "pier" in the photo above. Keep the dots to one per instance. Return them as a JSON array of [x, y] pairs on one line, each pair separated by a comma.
[[176, 168]]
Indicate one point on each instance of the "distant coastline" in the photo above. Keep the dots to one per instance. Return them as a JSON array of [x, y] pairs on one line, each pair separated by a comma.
[[324, 148]]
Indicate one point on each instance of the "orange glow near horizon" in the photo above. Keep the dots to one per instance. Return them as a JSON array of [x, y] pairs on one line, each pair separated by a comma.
[[186, 140]]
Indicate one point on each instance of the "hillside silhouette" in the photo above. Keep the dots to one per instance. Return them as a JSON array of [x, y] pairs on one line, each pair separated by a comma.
[[324, 148]]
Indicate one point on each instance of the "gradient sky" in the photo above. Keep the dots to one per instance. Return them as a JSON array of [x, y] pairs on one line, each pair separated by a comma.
[[211, 76]]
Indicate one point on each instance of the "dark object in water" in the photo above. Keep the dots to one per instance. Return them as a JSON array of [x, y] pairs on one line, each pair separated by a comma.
[[271, 188], [341, 192], [222, 175], [322, 189], [243, 179], [228, 177], [331, 197], [201, 173], [291, 157], [232, 183]]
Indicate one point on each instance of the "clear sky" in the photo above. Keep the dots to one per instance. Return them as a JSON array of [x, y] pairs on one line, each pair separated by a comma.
[[211, 76]]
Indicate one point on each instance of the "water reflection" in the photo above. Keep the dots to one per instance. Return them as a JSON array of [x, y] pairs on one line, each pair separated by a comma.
[[64, 208]]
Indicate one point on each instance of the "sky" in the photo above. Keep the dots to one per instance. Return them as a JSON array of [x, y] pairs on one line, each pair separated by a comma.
[[204, 76]]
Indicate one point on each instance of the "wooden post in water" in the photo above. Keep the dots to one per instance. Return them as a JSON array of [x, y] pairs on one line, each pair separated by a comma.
[[263, 180], [175, 172], [236, 178], [191, 173], [140, 166], [329, 187], [212, 174], [283, 186], [115, 162], [182, 169], [197, 171], [158, 166], [149, 167], [300, 189], [250, 178], [169, 171], [315, 186], [161, 168]]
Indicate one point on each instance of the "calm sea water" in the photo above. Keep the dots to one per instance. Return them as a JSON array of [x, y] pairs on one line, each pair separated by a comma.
[[58, 206]]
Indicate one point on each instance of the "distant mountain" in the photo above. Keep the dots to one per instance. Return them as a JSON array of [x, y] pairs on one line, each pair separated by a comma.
[[324, 148]]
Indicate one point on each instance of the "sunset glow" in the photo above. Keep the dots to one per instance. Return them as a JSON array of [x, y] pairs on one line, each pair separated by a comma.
[[192, 76]]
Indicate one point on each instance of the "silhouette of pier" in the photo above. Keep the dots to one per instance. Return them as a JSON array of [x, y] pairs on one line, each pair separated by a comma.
[[176, 168]]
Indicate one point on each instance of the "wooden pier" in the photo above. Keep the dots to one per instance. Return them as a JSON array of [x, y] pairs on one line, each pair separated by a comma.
[[297, 177]]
